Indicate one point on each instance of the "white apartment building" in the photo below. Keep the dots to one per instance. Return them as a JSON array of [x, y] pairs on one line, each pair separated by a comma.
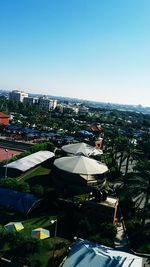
[[30, 100], [70, 109], [83, 110], [47, 104], [75, 109], [17, 96]]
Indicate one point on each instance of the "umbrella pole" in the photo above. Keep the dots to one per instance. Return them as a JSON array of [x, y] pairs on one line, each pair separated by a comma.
[[55, 234]]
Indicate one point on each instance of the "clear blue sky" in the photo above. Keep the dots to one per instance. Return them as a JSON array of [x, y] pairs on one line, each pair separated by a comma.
[[90, 49]]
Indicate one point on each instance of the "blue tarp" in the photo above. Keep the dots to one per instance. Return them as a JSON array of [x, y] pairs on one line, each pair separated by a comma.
[[19, 201], [88, 254], [86, 133], [28, 130], [12, 127]]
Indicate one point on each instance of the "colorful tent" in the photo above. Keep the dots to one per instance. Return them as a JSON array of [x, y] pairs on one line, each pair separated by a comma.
[[40, 233], [18, 226]]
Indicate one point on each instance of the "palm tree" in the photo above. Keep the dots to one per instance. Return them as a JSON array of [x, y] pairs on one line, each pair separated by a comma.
[[111, 135], [139, 186], [123, 151], [143, 146], [121, 148], [130, 153]]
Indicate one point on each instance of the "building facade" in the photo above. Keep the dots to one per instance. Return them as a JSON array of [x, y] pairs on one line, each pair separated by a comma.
[[4, 119], [83, 111], [17, 96], [30, 100], [47, 104]]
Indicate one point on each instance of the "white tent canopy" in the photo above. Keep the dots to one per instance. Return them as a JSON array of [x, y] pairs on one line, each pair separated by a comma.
[[81, 149], [30, 161], [80, 165]]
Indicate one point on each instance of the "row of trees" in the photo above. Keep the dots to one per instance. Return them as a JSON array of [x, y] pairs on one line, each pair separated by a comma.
[[132, 157]]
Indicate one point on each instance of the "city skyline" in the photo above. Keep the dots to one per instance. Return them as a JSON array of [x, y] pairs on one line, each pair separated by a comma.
[[80, 49]]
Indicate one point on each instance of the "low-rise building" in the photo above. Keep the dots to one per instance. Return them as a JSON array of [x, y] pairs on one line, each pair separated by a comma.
[[104, 211], [4, 119], [30, 100], [47, 104], [83, 110]]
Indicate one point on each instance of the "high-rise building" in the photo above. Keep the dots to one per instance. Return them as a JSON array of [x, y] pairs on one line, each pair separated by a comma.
[[17, 96]]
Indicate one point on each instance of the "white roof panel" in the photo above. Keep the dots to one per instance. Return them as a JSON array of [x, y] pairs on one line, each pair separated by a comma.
[[30, 161]]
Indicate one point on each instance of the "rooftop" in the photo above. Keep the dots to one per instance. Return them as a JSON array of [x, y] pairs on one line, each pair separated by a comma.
[[3, 115]]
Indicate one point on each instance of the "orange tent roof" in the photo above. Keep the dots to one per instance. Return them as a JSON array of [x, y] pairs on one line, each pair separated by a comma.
[[3, 115], [95, 128]]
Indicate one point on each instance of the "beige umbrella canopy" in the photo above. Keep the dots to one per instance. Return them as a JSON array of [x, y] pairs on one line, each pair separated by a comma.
[[80, 165], [81, 149]]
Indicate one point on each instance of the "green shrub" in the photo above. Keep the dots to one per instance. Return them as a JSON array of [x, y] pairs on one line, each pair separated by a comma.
[[50, 195], [84, 228], [26, 246], [108, 230], [133, 226], [136, 235], [144, 248], [13, 184], [9, 183], [126, 204], [98, 238], [23, 187], [37, 190]]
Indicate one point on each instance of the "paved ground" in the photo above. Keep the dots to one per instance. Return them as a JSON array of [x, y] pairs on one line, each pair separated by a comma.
[[7, 154], [16, 145], [121, 243]]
